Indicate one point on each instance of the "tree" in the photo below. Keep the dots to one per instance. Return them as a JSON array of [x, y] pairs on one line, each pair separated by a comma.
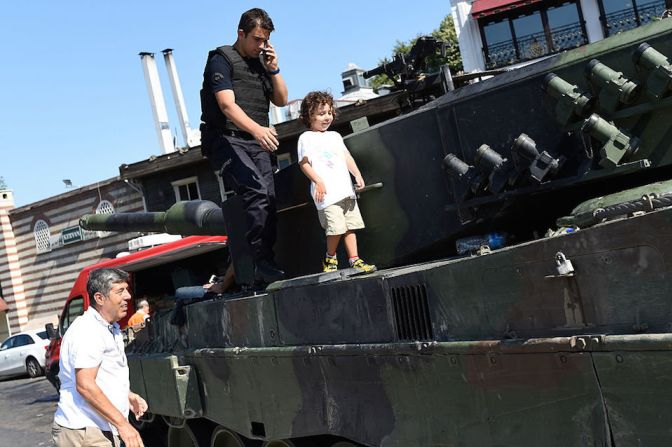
[[446, 33], [3, 185]]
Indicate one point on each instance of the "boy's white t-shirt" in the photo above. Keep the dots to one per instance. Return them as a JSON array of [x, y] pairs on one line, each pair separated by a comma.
[[326, 153]]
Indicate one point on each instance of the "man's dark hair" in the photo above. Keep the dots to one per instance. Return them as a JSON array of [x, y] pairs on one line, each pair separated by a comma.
[[312, 102], [253, 18], [101, 281]]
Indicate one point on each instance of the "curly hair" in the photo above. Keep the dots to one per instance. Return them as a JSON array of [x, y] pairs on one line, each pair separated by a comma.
[[312, 101]]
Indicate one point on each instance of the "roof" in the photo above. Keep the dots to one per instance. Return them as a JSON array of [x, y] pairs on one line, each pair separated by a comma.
[[74, 192], [483, 8], [361, 93], [161, 254]]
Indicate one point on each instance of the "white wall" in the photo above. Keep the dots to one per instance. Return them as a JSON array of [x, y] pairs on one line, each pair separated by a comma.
[[468, 36], [591, 15]]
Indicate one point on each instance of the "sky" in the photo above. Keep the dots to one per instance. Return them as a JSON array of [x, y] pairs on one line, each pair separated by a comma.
[[73, 98]]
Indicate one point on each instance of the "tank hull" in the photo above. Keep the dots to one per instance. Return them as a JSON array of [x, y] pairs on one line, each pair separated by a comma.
[[552, 341], [513, 352]]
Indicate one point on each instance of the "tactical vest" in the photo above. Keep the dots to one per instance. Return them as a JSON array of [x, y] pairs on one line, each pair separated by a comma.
[[251, 86]]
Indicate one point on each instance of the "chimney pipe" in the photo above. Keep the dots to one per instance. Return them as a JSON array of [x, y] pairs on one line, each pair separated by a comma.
[[192, 137], [158, 104]]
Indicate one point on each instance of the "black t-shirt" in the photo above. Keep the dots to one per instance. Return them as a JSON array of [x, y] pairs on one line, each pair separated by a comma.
[[216, 77], [218, 74]]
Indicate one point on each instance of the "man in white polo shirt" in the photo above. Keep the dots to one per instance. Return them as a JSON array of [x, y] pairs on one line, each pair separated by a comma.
[[95, 394]]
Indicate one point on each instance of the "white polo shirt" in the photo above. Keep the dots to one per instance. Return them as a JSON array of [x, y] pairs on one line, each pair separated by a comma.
[[89, 342]]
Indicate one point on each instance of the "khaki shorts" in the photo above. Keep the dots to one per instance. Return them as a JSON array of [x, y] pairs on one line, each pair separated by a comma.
[[341, 217], [84, 437]]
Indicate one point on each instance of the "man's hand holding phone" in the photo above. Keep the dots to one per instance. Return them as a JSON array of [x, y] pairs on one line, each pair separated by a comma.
[[268, 57]]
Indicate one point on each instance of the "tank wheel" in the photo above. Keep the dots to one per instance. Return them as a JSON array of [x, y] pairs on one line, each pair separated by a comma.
[[33, 367], [223, 437], [191, 434], [279, 443]]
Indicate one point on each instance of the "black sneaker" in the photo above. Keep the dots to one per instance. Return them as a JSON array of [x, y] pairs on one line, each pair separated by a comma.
[[268, 271]]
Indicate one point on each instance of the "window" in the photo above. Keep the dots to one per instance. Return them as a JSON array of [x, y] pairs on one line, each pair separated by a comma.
[[530, 36], [523, 34], [74, 309], [23, 340], [562, 22], [623, 15], [42, 237], [186, 189], [42, 334], [104, 207], [223, 191], [7, 344]]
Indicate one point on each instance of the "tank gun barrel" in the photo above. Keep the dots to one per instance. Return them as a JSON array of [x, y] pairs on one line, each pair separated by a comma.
[[196, 217]]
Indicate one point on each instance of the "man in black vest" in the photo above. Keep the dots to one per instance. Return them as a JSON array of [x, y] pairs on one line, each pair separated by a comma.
[[238, 83]]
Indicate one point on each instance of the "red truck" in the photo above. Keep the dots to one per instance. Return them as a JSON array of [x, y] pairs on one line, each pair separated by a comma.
[[155, 274]]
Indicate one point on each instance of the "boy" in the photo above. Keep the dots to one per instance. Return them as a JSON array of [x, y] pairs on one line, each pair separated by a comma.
[[326, 161]]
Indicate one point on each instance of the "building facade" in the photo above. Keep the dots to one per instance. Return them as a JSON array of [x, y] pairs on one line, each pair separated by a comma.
[[495, 34], [42, 249]]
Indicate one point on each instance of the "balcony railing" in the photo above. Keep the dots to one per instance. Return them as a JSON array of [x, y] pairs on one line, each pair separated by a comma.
[[627, 19], [535, 45]]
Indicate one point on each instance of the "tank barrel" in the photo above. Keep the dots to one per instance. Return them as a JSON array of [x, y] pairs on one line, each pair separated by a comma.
[[196, 217], [141, 222]]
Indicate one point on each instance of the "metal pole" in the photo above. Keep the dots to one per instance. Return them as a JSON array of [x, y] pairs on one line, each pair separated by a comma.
[[158, 104], [191, 137]]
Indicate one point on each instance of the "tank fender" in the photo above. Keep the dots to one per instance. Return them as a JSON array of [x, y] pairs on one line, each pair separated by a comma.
[[169, 388]]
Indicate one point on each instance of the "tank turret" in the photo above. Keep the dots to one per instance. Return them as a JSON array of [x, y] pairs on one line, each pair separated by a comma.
[[196, 217]]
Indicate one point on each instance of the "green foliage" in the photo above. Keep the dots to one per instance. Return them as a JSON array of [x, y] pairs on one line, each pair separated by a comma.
[[3, 184], [446, 33]]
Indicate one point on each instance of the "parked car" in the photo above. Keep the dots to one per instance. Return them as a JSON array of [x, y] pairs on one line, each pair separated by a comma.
[[23, 353]]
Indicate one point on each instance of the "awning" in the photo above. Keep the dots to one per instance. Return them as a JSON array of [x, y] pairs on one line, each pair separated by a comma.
[[3, 305], [483, 8]]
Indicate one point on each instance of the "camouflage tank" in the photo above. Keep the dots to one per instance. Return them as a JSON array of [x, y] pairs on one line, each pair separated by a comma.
[[559, 337]]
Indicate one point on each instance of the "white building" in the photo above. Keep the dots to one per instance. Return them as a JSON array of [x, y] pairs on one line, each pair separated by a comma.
[[355, 89], [504, 33]]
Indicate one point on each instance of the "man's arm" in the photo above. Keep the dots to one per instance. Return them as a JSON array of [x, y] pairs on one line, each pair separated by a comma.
[[280, 95], [87, 387], [265, 136]]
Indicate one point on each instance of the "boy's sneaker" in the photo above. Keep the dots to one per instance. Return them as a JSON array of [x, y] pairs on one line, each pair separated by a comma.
[[362, 266], [330, 264]]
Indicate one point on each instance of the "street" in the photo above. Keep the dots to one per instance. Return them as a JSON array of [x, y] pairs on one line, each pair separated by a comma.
[[27, 407]]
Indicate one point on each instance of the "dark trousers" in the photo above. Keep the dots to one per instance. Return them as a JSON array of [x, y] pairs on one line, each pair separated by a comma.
[[247, 168]]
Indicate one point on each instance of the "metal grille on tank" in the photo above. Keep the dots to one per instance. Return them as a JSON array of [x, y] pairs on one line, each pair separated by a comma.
[[411, 312]]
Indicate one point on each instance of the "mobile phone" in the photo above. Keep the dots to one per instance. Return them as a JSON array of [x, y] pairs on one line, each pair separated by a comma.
[[262, 54]]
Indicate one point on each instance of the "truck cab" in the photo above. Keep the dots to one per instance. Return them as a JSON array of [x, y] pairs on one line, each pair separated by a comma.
[[155, 274]]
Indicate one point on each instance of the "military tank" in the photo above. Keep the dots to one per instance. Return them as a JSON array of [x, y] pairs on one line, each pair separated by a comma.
[[522, 229]]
